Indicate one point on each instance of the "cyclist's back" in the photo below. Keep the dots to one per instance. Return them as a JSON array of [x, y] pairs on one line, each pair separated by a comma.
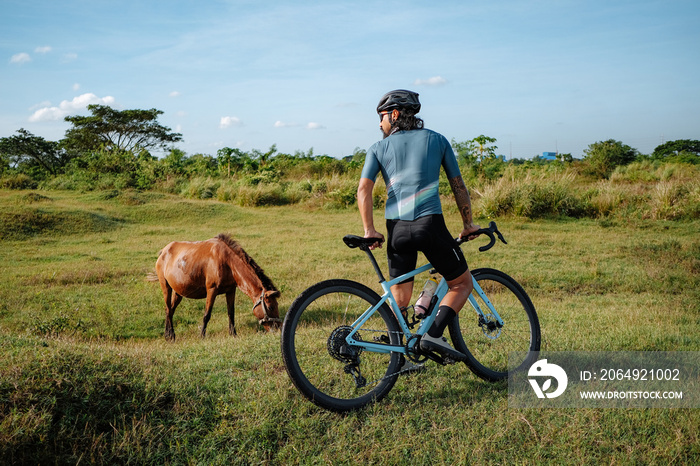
[[410, 164]]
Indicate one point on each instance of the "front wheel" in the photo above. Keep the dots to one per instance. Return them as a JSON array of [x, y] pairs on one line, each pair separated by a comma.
[[489, 346], [325, 369]]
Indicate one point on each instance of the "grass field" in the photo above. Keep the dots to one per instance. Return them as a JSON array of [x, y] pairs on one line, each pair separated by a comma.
[[87, 377]]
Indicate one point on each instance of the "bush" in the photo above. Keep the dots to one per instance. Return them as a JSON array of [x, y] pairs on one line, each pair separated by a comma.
[[604, 156], [673, 200], [18, 181], [644, 171], [200, 188], [533, 197]]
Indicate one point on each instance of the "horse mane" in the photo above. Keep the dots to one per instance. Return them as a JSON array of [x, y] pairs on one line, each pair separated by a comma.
[[237, 249]]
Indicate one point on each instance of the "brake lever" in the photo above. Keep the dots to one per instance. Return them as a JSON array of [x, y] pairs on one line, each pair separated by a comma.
[[488, 232], [500, 236]]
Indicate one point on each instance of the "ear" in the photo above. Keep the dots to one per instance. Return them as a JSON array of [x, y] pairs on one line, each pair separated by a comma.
[[272, 294]]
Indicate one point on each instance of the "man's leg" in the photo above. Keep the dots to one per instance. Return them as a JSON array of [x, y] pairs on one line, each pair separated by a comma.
[[402, 293], [459, 290]]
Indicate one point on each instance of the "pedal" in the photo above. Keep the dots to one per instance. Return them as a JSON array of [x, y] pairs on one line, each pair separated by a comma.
[[434, 357]]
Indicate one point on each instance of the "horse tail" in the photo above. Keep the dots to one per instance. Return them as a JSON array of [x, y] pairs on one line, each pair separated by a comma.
[[153, 276]]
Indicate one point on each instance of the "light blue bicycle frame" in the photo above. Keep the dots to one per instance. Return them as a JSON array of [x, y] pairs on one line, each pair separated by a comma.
[[426, 323]]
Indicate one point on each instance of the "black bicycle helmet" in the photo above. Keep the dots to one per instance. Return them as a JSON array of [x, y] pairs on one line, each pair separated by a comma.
[[400, 99]]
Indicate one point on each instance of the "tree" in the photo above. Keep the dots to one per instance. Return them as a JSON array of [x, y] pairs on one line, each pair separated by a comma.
[[478, 149], [604, 156], [235, 160], [25, 149], [120, 130], [680, 147], [483, 147], [565, 158], [264, 157], [464, 151]]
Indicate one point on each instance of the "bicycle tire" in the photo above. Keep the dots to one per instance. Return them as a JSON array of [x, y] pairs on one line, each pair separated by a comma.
[[488, 348], [311, 340]]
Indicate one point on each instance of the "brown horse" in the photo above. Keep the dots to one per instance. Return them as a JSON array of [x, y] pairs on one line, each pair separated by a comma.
[[206, 269]]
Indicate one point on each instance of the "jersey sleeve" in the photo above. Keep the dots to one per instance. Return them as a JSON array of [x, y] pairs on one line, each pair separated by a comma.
[[449, 160], [371, 167]]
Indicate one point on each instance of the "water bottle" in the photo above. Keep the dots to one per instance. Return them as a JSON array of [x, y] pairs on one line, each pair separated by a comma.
[[422, 306]]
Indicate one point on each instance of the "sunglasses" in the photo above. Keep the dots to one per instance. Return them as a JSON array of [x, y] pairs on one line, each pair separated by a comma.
[[381, 116]]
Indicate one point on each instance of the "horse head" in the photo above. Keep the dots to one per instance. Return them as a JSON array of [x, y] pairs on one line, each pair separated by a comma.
[[267, 311]]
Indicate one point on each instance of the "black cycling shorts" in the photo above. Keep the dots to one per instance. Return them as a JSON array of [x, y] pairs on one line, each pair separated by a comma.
[[429, 235]]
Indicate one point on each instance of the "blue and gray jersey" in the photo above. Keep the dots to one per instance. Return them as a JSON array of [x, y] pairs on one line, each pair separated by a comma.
[[410, 163]]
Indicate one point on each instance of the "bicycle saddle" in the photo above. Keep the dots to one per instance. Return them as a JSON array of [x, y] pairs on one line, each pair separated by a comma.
[[354, 241]]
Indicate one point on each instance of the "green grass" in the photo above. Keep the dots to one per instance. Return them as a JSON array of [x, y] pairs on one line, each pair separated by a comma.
[[87, 377]]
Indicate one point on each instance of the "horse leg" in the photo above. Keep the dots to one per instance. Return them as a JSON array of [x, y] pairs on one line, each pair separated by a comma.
[[172, 299], [211, 296], [169, 327], [231, 307]]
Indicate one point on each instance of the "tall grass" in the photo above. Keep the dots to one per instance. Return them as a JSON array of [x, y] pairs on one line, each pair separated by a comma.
[[638, 191], [87, 377], [533, 197]]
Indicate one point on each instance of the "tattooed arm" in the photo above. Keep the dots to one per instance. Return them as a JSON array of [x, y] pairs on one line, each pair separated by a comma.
[[464, 205]]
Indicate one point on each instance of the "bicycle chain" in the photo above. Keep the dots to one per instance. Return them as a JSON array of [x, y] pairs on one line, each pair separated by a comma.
[[406, 345]]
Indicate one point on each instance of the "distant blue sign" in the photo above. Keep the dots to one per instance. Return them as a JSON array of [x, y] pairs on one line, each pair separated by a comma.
[[549, 155]]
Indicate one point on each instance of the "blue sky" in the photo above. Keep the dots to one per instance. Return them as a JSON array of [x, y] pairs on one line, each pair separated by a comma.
[[538, 76]]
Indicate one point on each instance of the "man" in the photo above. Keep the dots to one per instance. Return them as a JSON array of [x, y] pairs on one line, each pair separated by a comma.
[[409, 158]]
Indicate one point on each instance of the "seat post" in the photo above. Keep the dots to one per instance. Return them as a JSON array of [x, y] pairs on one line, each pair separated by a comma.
[[374, 263]]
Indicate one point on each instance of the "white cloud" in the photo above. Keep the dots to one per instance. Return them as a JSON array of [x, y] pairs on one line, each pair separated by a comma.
[[42, 50], [281, 124], [175, 94], [45, 103], [68, 106], [313, 125], [70, 57], [229, 121], [434, 81], [76, 86], [20, 58]]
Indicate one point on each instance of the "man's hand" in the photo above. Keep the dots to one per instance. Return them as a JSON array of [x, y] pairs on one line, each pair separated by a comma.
[[372, 233], [468, 230]]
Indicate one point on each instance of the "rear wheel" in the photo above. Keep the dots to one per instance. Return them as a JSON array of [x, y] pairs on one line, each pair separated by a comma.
[[491, 350], [325, 369]]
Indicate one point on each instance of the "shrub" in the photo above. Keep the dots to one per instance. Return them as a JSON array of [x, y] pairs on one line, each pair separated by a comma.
[[606, 199], [18, 181], [672, 200], [644, 171], [200, 188], [253, 196], [603, 156], [533, 197]]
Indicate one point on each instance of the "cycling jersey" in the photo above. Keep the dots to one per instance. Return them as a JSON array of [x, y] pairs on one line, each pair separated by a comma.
[[410, 164]]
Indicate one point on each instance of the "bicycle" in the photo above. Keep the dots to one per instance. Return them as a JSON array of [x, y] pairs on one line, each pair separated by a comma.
[[343, 345]]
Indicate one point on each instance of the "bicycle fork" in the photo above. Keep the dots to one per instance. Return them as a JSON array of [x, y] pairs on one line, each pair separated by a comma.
[[489, 321]]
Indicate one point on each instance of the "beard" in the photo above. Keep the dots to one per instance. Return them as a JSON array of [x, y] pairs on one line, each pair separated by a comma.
[[392, 130]]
